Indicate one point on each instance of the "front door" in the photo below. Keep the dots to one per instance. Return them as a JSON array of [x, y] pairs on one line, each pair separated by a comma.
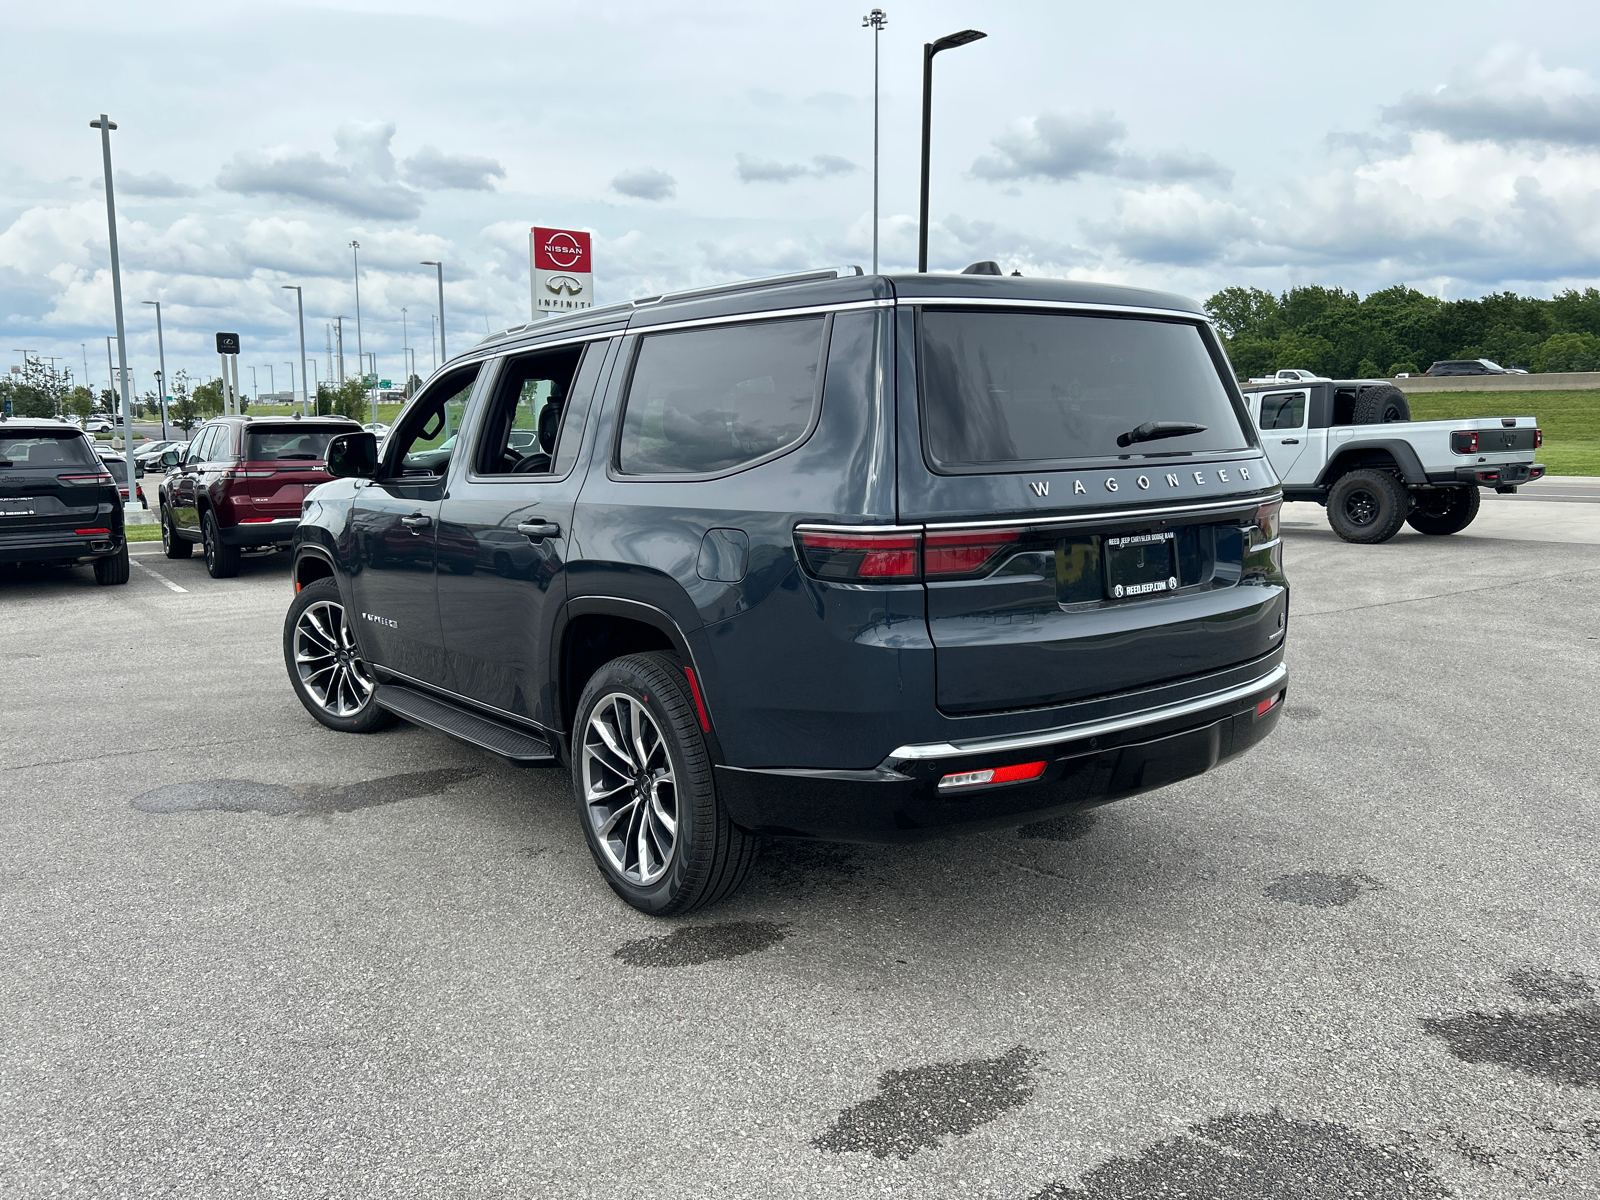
[[394, 525], [1283, 429], [181, 484], [506, 526]]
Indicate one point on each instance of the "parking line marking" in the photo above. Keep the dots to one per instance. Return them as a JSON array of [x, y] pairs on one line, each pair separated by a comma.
[[159, 576]]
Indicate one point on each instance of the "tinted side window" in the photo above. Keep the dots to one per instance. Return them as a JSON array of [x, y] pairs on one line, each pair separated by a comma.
[[1283, 410], [707, 400], [424, 438], [198, 447]]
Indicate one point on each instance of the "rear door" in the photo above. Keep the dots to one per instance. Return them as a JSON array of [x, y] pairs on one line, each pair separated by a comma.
[[1068, 553], [1281, 417]]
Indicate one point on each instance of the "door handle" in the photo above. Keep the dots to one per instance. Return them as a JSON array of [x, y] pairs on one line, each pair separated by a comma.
[[416, 521], [1291, 441], [537, 531]]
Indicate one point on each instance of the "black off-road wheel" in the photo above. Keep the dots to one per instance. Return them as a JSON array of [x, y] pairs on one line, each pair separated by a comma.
[[113, 568], [325, 666], [1367, 506], [222, 560], [1445, 510], [646, 796], [173, 545], [1381, 404]]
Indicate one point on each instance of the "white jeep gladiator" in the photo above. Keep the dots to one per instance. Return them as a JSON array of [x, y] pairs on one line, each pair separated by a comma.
[[1351, 446]]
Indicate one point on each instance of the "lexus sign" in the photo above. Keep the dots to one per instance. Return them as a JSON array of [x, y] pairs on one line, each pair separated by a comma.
[[561, 270]]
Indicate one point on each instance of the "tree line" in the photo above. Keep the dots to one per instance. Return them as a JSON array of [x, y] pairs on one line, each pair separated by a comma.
[[1338, 333]]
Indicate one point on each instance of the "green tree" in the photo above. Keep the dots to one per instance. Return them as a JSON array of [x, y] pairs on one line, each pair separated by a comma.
[[80, 402], [209, 398], [1568, 352], [346, 400], [183, 411], [36, 392]]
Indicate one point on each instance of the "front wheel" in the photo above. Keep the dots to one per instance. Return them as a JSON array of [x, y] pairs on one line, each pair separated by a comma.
[[645, 792], [1367, 506], [325, 666], [1447, 510]]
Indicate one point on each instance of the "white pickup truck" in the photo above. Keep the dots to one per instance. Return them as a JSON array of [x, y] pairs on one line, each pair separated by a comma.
[[1351, 446]]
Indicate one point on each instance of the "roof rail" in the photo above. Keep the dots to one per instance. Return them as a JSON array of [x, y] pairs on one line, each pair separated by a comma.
[[747, 285]]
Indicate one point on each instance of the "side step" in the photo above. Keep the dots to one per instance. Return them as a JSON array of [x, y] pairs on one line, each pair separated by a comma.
[[485, 732]]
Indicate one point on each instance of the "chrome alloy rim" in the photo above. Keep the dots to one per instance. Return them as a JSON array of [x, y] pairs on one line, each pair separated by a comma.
[[328, 662], [629, 790]]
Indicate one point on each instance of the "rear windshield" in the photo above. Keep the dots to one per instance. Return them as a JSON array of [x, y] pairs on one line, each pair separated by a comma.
[[1001, 388], [45, 448], [292, 445]]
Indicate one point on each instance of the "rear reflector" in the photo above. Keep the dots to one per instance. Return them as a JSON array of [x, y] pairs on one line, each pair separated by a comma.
[[1266, 705], [1018, 773], [255, 520], [965, 552], [89, 532], [860, 557], [699, 704]]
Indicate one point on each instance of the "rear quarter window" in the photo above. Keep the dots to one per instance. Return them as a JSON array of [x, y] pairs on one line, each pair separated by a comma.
[[1000, 388], [705, 401]]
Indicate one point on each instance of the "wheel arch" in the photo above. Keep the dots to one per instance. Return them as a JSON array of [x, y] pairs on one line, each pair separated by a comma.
[[311, 565], [1383, 453]]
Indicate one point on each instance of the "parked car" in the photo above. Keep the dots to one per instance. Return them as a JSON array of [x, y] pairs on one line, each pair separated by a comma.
[[58, 503], [239, 486], [377, 428], [1351, 446], [148, 455], [117, 466], [866, 558], [98, 425]]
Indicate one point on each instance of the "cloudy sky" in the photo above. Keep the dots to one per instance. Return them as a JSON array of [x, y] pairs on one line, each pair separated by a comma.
[[1451, 146]]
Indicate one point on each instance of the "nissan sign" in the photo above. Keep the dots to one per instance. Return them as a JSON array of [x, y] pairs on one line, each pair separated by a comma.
[[561, 270]]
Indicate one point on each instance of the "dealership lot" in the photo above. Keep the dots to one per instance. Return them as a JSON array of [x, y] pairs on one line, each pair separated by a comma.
[[1364, 958]]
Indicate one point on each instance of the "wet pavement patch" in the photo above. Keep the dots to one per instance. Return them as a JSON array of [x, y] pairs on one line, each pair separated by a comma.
[[1319, 889], [692, 945], [1257, 1156], [1552, 987], [1059, 829], [915, 1108], [246, 795], [1561, 1044]]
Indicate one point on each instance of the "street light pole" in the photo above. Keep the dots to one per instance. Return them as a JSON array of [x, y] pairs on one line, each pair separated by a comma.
[[355, 255], [105, 125], [428, 262], [875, 20], [929, 49], [338, 337], [111, 378], [161, 350], [300, 309]]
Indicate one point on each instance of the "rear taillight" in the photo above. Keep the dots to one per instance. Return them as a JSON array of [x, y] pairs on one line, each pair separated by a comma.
[[1538, 438], [1267, 516], [87, 477], [966, 552], [858, 556], [1464, 441], [1018, 773]]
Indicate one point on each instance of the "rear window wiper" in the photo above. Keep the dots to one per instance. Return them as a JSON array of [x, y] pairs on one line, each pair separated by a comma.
[[283, 457], [1151, 430]]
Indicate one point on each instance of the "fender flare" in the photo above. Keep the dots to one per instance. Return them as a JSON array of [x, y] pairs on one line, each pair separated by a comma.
[[1403, 453]]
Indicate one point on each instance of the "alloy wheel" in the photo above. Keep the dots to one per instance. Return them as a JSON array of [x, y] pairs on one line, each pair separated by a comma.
[[327, 661], [166, 532], [1361, 507], [629, 789]]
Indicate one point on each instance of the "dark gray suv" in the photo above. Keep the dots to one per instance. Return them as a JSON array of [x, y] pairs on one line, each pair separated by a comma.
[[830, 556]]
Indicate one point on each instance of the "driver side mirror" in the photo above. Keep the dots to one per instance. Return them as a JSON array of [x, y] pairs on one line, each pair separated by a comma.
[[353, 455], [169, 458]]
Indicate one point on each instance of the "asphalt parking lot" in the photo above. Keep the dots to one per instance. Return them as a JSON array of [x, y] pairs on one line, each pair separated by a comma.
[[1363, 960]]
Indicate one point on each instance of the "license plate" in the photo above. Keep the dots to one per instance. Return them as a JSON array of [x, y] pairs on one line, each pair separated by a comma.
[[1141, 564]]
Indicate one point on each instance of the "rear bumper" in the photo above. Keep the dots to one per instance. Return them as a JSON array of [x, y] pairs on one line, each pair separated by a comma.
[[1498, 475], [260, 533], [59, 547], [1086, 765]]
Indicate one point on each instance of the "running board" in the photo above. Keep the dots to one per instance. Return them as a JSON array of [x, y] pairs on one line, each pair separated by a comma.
[[484, 732]]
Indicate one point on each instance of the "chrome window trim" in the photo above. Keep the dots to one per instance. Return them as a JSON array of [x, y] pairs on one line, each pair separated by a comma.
[[1089, 729], [1181, 314], [1121, 514], [766, 314]]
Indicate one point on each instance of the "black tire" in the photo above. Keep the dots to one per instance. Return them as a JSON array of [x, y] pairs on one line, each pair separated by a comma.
[[1381, 404], [113, 568], [222, 560], [1367, 506], [709, 856], [327, 698], [173, 544], [1445, 510]]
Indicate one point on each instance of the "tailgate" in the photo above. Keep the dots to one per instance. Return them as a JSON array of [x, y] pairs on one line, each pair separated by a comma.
[[276, 490], [50, 484]]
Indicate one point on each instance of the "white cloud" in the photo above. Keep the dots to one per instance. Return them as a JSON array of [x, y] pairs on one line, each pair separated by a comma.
[[434, 170], [359, 181], [1512, 97], [645, 183], [155, 184], [1057, 147], [761, 170]]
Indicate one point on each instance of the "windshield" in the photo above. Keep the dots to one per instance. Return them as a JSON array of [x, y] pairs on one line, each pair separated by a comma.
[[293, 445], [45, 448], [1002, 388]]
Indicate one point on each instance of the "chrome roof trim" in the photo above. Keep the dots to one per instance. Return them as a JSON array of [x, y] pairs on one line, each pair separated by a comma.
[[1001, 302], [1121, 514], [766, 314]]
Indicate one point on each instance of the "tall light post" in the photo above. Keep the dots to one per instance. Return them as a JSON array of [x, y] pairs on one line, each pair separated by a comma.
[[254, 390], [355, 255], [87, 382], [290, 365], [433, 338], [949, 42], [338, 337], [105, 125], [272, 383], [300, 310], [111, 378], [875, 21], [161, 351], [428, 262]]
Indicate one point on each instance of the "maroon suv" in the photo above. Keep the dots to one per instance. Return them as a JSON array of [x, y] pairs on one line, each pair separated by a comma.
[[240, 484]]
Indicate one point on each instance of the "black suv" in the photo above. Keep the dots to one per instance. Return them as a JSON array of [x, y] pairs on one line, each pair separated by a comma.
[[58, 503], [848, 557]]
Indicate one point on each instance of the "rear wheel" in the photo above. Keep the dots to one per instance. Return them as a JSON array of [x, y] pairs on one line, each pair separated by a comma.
[[1367, 506], [645, 792], [325, 667], [222, 560], [172, 545], [1445, 510], [113, 568], [1381, 404]]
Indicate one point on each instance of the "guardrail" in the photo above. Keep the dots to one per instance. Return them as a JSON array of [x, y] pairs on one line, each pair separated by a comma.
[[1547, 381]]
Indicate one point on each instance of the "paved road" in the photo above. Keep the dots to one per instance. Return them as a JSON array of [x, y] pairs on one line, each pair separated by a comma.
[[1362, 960]]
